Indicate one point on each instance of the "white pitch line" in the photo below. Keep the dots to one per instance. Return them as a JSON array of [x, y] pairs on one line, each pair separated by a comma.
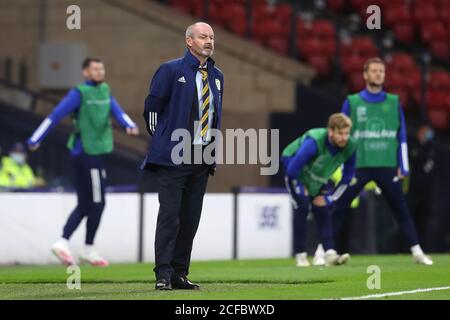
[[399, 293]]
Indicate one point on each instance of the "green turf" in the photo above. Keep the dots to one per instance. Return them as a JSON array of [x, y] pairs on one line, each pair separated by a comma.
[[249, 279]]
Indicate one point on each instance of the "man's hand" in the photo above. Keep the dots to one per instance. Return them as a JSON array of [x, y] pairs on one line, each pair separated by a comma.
[[319, 201], [399, 174], [34, 147], [306, 191], [133, 131]]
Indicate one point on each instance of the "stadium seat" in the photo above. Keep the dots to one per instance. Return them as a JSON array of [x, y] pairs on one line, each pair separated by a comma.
[[395, 79], [321, 64], [309, 46], [235, 18], [356, 81], [336, 5], [304, 29], [439, 80], [432, 31], [403, 96], [329, 47], [402, 62], [425, 11], [397, 14], [278, 43], [181, 5], [436, 99], [353, 64], [404, 32], [439, 119], [413, 80], [441, 49], [445, 13], [215, 10], [198, 8], [323, 29], [363, 46]]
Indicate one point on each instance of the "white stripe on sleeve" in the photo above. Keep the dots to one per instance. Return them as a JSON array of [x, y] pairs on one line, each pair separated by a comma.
[[128, 120], [405, 159], [41, 130], [152, 120], [339, 191]]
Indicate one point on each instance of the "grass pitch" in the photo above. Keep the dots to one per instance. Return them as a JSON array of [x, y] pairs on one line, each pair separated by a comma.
[[245, 279]]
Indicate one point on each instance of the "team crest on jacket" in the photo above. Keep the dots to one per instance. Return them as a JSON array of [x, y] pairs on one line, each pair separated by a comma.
[[218, 84]]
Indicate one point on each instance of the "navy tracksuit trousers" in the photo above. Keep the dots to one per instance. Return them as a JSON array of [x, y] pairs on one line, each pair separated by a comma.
[[90, 183], [393, 193]]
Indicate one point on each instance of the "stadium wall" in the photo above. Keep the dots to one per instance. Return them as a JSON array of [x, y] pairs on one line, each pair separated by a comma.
[[233, 226]]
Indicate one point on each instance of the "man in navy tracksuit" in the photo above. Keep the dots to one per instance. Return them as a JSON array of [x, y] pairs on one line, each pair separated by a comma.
[[382, 153], [185, 93]]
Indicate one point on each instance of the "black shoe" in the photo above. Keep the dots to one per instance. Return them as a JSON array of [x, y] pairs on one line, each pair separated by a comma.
[[182, 282], [163, 284]]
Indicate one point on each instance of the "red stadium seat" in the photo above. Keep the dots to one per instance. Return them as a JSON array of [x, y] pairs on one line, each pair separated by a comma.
[[436, 99], [363, 46], [323, 29], [439, 80], [215, 10], [445, 13], [336, 5], [396, 14], [356, 81], [256, 2], [395, 79], [238, 25], [441, 49], [439, 119], [432, 31], [304, 29], [402, 62], [403, 95], [320, 63], [235, 19], [425, 11], [413, 80], [309, 46], [353, 64], [197, 8], [278, 43], [404, 32], [181, 5], [268, 27], [329, 47]]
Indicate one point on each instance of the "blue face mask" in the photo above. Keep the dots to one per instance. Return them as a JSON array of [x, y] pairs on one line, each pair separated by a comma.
[[18, 157], [429, 135]]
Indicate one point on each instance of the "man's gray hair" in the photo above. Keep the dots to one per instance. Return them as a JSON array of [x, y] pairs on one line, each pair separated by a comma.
[[190, 29]]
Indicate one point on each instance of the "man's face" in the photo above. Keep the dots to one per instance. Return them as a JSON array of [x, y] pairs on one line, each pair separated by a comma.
[[95, 72], [375, 75], [339, 137], [202, 40]]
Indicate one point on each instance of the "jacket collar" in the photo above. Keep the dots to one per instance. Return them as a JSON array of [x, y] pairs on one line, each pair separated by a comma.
[[193, 61]]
